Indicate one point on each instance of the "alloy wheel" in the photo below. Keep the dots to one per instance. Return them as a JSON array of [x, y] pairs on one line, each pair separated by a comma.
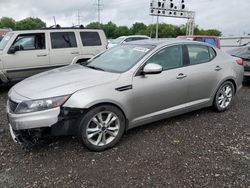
[[103, 128], [225, 96]]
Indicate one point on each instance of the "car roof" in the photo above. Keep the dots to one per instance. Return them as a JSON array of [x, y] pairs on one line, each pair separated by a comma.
[[198, 36], [134, 36], [165, 42]]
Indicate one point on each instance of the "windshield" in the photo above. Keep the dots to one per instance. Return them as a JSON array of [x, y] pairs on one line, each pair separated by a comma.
[[120, 59], [118, 40], [5, 40]]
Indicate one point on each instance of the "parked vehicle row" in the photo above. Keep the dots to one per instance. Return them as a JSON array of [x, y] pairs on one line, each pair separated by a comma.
[[124, 39], [25, 53], [213, 40], [124, 87]]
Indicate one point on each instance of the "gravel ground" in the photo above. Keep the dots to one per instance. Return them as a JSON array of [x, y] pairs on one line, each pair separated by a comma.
[[199, 149]]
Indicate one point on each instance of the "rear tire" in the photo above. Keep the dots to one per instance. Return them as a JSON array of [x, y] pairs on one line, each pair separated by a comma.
[[102, 127], [224, 97]]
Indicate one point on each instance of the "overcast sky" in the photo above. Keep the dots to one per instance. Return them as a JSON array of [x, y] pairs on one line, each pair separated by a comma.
[[229, 16]]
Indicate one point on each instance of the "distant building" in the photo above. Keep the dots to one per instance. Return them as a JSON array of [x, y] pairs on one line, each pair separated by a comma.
[[4, 31]]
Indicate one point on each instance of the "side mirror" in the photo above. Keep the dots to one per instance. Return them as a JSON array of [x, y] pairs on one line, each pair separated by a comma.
[[13, 49], [152, 68]]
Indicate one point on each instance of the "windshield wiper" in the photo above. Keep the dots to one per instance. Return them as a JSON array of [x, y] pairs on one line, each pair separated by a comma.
[[96, 68]]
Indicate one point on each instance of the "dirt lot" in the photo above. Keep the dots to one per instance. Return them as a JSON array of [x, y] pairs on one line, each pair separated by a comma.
[[199, 149]]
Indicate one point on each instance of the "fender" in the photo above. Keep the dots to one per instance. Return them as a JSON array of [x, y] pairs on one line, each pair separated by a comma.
[[3, 78], [224, 80]]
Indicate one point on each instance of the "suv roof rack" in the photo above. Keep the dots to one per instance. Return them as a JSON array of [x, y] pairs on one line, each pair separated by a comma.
[[57, 26]]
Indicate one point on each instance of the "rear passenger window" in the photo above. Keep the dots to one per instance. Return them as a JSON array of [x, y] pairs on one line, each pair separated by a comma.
[[198, 54], [90, 39], [63, 40], [212, 53]]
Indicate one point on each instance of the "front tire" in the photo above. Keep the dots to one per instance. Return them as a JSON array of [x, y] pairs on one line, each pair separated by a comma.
[[102, 127], [224, 97]]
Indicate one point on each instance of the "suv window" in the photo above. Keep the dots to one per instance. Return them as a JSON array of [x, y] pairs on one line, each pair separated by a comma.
[[168, 58], [198, 54], [63, 40], [30, 41], [90, 39]]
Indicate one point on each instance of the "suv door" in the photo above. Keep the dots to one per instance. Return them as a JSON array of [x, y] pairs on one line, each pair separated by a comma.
[[64, 48], [161, 93], [31, 57], [203, 74]]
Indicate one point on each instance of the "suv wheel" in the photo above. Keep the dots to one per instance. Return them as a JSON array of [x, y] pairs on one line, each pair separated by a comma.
[[224, 96], [102, 127]]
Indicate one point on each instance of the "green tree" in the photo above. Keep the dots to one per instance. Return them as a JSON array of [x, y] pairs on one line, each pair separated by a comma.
[[122, 31], [110, 30], [30, 23], [93, 25], [6, 22], [138, 28]]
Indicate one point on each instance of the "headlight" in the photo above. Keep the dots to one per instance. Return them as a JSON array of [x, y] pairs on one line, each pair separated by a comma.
[[41, 104]]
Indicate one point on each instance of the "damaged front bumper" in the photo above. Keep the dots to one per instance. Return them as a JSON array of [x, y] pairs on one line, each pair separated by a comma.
[[30, 128]]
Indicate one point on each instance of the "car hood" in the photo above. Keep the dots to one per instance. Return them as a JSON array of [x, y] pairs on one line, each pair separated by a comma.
[[63, 81]]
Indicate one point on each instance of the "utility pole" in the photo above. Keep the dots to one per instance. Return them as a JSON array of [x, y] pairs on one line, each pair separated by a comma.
[[78, 17], [99, 8]]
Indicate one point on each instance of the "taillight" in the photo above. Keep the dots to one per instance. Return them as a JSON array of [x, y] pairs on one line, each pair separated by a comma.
[[239, 61]]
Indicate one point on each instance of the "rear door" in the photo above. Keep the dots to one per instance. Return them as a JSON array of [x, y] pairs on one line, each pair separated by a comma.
[[31, 58], [203, 73], [64, 48]]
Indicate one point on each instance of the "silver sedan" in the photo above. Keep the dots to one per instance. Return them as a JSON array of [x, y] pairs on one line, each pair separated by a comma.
[[124, 87]]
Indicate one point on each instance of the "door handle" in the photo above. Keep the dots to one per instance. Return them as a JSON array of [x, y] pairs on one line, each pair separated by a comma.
[[41, 55], [217, 68], [75, 53], [181, 76]]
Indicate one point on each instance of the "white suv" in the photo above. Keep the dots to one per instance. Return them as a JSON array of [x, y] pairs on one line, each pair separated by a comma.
[[25, 53]]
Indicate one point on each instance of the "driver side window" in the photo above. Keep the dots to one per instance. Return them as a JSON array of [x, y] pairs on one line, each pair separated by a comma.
[[30, 42], [168, 58]]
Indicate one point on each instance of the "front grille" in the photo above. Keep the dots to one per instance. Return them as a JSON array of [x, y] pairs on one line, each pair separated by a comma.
[[247, 68], [12, 105]]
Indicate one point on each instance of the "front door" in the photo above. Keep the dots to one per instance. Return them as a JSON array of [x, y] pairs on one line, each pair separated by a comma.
[[31, 58], [161, 93]]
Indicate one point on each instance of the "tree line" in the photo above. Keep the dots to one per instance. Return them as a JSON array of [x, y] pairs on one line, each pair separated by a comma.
[[165, 30], [25, 24], [111, 29]]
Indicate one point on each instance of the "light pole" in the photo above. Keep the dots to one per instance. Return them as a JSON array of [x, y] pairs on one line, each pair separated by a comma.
[[157, 24]]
